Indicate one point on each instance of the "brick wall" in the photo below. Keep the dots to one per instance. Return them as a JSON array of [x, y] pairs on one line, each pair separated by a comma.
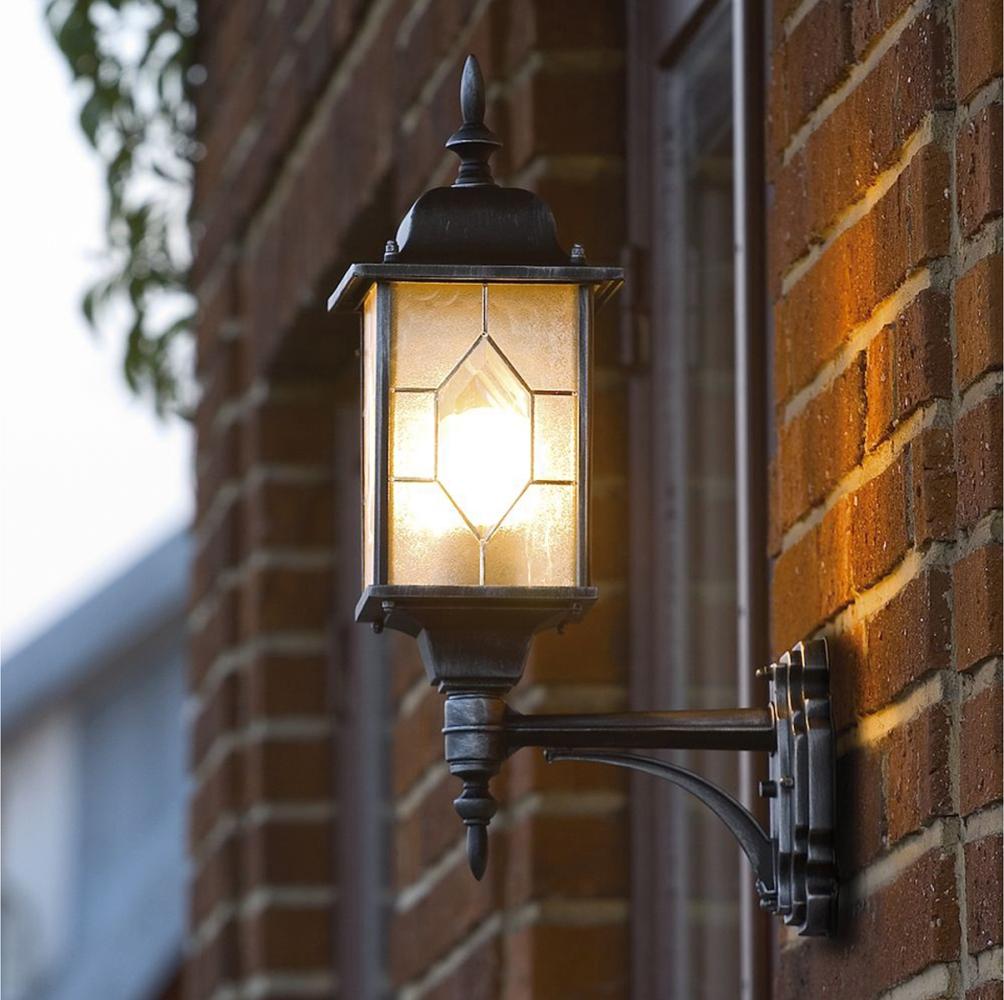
[[322, 121], [884, 155]]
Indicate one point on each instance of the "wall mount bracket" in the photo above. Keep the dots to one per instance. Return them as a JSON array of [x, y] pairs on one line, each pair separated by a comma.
[[794, 861]]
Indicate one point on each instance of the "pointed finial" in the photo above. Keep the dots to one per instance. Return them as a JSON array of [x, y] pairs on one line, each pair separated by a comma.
[[472, 93], [473, 142]]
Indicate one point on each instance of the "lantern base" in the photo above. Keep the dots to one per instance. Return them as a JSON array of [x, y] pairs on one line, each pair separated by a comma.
[[473, 639]]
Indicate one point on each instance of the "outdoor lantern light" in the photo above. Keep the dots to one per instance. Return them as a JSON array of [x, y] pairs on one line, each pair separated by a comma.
[[476, 359]]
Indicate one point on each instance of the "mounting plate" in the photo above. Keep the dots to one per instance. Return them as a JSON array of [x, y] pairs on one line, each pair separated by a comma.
[[801, 791]]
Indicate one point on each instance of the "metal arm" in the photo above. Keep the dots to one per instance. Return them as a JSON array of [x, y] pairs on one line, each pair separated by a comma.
[[740, 821], [715, 729]]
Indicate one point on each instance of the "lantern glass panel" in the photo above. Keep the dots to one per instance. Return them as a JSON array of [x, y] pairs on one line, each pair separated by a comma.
[[484, 460]]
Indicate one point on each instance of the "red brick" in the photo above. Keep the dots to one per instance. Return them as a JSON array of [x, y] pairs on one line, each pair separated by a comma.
[[807, 66], [428, 832], [286, 685], [290, 514], [478, 977], [287, 939], [557, 855], [287, 770], [935, 491], [978, 27], [978, 169], [918, 778], [986, 991], [454, 906], [888, 936], [976, 598], [981, 757], [583, 108], [822, 443], [859, 540], [576, 961], [859, 793], [879, 524], [293, 431], [217, 794], [216, 717], [906, 640], [907, 227], [418, 740], [870, 20], [586, 25], [978, 321], [597, 646], [830, 173], [984, 863], [288, 853], [979, 458], [909, 364], [278, 598], [216, 963], [216, 881]]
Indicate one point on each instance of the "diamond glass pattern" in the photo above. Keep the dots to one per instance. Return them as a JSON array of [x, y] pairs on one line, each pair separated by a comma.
[[483, 463]]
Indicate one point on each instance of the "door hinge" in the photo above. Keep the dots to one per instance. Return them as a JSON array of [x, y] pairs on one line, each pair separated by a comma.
[[635, 309]]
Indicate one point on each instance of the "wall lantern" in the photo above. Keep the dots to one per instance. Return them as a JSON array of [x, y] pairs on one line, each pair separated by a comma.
[[476, 358]]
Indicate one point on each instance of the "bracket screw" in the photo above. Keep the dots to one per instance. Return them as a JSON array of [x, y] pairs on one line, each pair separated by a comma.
[[578, 254], [787, 781], [390, 251], [767, 789]]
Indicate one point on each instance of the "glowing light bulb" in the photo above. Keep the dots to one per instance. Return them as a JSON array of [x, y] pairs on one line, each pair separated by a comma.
[[484, 461]]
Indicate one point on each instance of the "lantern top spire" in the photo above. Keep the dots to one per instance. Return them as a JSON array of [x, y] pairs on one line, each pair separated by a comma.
[[473, 142]]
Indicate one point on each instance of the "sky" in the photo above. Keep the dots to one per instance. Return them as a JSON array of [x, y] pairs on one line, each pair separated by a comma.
[[90, 478]]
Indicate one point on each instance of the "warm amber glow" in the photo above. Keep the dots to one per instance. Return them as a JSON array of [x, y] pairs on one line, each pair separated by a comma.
[[483, 435]]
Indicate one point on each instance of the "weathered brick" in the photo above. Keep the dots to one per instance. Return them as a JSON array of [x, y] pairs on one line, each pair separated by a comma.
[[907, 227], [906, 639], [935, 491], [979, 459], [807, 66], [870, 20], [918, 777], [216, 881], [216, 716], [978, 169], [984, 862], [879, 525], [889, 936], [981, 756], [822, 443], [418, 740], [830, 173], [282, 513], [976, 598], [978, 27], [909, 364], [978, 321]]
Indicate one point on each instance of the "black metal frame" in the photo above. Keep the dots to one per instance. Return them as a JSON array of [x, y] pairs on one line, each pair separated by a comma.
[[793, 862]]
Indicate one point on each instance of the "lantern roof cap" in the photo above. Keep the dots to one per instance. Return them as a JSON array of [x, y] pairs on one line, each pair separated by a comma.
[[475, 230]]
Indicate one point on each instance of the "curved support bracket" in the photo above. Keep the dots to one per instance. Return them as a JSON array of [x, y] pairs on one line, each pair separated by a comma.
[[739, 820]]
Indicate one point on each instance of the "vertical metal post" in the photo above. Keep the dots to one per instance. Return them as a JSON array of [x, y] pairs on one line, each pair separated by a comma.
[[750, 415]]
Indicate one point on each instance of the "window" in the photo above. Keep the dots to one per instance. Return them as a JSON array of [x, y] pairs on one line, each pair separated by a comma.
[[699, 552]]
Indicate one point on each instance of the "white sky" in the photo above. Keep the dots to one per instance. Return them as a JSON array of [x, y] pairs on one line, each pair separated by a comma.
[[89, 477]]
